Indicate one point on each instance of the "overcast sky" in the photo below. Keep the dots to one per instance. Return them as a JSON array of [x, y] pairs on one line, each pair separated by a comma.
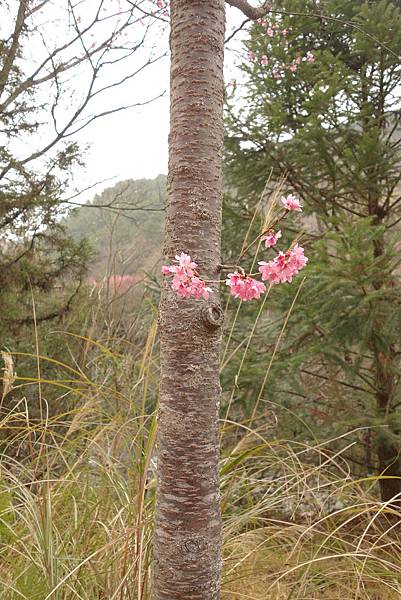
[[133, 143]]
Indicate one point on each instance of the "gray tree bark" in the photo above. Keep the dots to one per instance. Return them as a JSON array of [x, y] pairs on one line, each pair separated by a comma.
[[187, 544]]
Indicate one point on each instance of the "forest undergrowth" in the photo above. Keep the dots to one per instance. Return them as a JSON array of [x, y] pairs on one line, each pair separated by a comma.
[[77, 495]]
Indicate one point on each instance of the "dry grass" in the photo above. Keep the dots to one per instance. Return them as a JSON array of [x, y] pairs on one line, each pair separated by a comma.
[[77, 492], [308, 532]]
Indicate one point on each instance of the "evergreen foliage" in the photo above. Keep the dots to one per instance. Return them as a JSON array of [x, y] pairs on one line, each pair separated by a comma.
[[332, 129], [35, 253]]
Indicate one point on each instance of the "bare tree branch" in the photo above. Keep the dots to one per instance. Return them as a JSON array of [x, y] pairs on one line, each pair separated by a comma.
[[72, 125], [10, 57], [237, 30], [250, 11], [117, 208]]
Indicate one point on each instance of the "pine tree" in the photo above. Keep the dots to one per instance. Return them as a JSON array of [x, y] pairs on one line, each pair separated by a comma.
[[321, 107]]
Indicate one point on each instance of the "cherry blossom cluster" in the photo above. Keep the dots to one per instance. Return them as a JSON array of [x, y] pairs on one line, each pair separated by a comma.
[[279, 270], [187, 283], [284, 266], [244, 286], [118, 284], [273, 29]]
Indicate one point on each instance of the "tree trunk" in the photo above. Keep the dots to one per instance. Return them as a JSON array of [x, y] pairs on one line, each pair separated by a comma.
[[390, 466], [187, 545], [388, 450]]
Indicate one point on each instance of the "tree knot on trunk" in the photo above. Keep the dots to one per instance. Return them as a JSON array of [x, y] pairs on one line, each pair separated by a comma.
[[212, 316], [194, 545]]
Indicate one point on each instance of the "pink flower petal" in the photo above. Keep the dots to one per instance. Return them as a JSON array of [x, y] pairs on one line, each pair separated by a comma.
[[291, 203]]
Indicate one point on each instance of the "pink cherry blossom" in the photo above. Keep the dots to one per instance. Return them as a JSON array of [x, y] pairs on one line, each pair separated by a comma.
[[186, 281], [284, 267], [276, 73], [310, 57], [264, 60], [198, 288], [271, 238], [161, 3], [244, 286], [270, 31], [285, 32], [185, 262], [251, 55], [181, 286], [194, 287], [291, 202]]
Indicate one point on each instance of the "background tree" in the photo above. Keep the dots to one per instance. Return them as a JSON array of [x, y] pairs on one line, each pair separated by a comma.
[[53, 82], [60, 64], [321, 108]]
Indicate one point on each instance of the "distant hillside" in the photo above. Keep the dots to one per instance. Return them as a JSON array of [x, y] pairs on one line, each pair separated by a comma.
[[124, 225]]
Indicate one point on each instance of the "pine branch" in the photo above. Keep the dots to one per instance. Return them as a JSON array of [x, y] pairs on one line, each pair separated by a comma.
[[254, 13]]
